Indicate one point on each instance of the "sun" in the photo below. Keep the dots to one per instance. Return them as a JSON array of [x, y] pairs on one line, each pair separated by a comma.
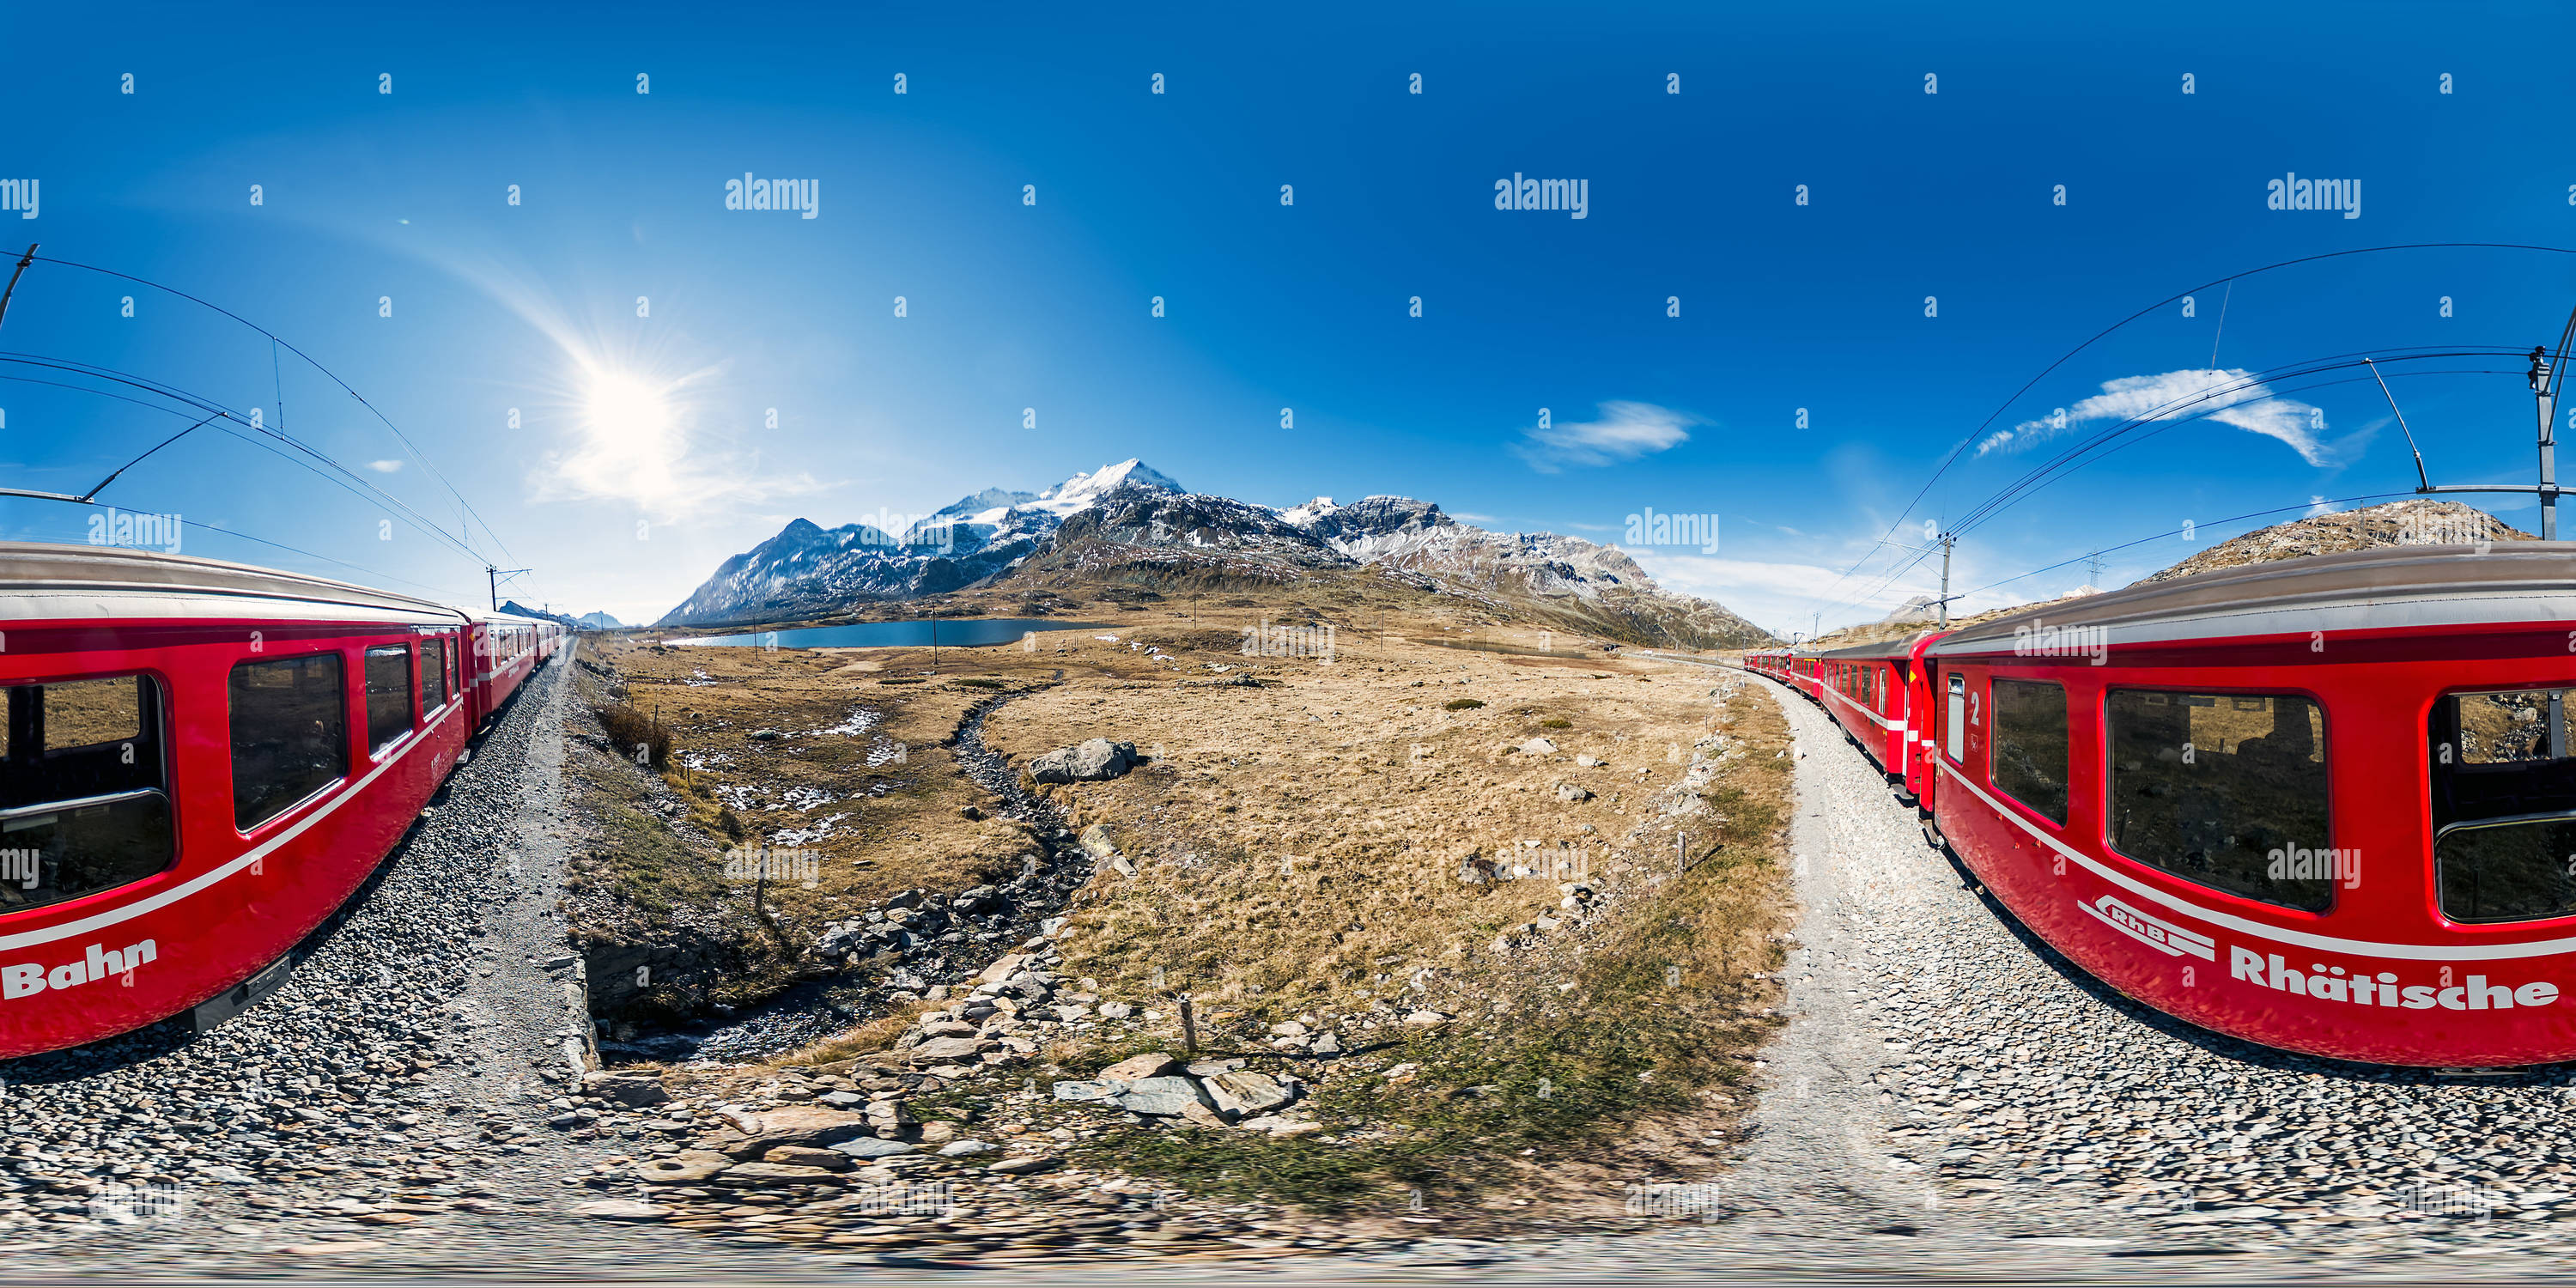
[[621, 407], [631, 439]]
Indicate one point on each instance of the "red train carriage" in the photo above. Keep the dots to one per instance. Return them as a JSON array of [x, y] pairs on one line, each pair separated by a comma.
[[1865, 690], [200, 762], [2326, 804]]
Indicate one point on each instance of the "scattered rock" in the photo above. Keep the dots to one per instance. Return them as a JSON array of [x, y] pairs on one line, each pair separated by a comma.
[[622, 1210], [1425, 1020], [632, 1088], [1091, 761], [1137, 1068], [1538, 747], [1025, 1166], [873, 1147], [1239, 1094], [966, 1149], [1570, 793], [830, 1160], [945, 1050], [1161, 1097], [688, 1167], [1096, 1090], [766, 1175]]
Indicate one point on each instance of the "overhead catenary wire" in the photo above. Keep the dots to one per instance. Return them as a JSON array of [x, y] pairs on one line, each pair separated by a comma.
[[276, 340], [2228, 281], [337, 473]]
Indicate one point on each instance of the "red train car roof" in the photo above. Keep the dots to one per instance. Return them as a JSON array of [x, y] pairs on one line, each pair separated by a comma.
[[44, 581], [2378, 589], [1875, 651]]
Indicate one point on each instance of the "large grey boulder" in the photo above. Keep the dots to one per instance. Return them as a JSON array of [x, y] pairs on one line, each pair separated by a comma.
[[1161, 1097], [1244, 1094], [1090, 761]]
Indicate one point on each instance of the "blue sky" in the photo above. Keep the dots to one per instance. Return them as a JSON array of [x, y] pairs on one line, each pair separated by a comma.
[[369, 197]]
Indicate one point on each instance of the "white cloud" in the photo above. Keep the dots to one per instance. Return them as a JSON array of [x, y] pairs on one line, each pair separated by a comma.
[[384, 467], [1782, 597], [2230, 397], [1626, 431]]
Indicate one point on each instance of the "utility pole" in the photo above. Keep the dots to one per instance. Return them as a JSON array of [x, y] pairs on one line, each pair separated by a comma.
[[1946, 540], [2544, 377], [492, 576], [2093, 571]]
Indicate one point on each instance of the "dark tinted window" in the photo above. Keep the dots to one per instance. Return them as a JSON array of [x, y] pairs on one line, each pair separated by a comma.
[[2503, 790], [2226, 789], [289, 731], [2030, 745], [2508, 870], [84, 793], [388, 695], [433, 677]]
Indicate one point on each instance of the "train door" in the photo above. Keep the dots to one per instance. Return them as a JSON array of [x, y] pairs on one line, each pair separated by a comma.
[[1954, 720]]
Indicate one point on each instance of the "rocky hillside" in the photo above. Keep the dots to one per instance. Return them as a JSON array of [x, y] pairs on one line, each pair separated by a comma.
[[2398, 523], [1130, 525]]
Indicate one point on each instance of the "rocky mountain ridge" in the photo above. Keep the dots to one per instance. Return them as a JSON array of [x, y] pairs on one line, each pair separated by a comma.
[[1129, 522]]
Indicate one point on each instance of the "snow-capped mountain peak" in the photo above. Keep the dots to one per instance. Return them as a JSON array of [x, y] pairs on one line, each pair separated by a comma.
[[1305, 515], [1084, 490]]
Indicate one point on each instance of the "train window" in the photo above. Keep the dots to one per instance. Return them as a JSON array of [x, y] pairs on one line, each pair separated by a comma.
[[2225, 790], [84, 793], [2504, 805], [388, 695], [2507, 869], [2029, 745], [2511, 728], [433, 678], [92, 713], [289, 731]]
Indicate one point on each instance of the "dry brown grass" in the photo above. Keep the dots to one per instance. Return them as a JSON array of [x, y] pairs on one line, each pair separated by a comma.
[[1298, 847]]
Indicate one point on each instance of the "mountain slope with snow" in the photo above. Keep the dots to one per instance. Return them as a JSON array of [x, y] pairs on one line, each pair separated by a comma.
[[1130, 523]]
